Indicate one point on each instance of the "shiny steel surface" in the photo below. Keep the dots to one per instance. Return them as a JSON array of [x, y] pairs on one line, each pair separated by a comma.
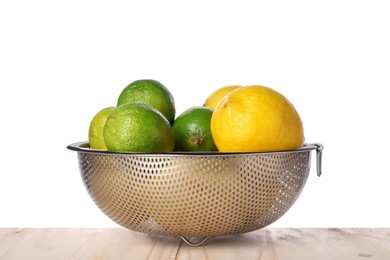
[[195, 194]]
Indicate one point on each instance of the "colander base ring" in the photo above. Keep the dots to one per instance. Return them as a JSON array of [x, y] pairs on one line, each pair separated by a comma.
[[193, 243]]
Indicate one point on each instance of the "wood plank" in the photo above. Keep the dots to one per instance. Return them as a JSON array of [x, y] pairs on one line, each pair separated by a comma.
[[295, 244], [268, 243], [86, 244], [6, 232]]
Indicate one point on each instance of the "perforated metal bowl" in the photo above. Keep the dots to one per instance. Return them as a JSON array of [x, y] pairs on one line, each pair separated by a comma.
[[195, 194]]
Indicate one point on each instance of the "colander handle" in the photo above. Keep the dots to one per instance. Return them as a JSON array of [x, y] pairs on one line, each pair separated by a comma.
[[319, 148]]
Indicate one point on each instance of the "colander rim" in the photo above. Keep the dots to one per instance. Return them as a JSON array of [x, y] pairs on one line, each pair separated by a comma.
[[83, 146]]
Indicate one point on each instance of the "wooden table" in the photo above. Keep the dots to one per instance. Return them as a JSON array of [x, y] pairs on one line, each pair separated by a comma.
[[268, 243]]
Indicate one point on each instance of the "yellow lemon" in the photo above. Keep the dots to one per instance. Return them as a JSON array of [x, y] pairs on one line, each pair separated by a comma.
[[214, 98], [255, 119]]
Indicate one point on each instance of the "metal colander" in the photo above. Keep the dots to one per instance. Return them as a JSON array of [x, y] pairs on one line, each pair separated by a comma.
[[195, 194]]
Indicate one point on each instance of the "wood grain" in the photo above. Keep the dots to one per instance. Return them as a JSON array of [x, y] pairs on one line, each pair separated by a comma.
[[268, 243], [330, 243], [84, 244]]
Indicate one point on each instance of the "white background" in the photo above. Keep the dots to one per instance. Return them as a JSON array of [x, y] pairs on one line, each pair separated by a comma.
[[62, 61]]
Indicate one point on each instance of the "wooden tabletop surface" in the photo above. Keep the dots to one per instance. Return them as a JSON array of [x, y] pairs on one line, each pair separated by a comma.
[[268, 243]]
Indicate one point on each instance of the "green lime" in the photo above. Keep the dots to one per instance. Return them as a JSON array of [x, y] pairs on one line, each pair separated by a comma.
[[152, 93], [95, 131], [137, 127], [192, 130]]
